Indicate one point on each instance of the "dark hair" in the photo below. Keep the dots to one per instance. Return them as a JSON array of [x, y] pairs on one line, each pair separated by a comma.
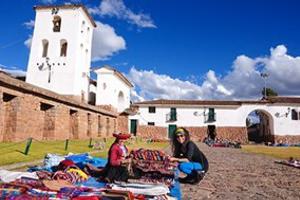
[[176, 146]]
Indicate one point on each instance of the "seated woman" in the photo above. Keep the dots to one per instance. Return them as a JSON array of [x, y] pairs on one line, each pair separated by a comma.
[[116, 168], [191, 160], [118, 161]]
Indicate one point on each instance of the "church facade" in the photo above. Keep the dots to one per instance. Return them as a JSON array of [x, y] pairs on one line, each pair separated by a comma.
[[60, 53], [59, 100]]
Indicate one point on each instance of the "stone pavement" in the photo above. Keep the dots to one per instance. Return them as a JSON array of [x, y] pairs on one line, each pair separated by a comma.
[[234, 174]]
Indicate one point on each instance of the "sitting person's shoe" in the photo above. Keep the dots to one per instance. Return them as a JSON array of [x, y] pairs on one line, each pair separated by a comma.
[[194, 178], [199, 175], [185, 179], [189, 179]]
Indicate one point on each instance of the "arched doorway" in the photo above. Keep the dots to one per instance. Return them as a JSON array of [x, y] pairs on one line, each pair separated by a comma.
[[121, 101], [260, 126]]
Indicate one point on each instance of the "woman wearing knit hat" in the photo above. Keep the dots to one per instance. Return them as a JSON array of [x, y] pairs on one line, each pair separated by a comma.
[[116, 168], [191, 160]]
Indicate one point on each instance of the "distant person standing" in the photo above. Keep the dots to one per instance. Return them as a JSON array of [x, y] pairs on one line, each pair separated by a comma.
[[191, 160]]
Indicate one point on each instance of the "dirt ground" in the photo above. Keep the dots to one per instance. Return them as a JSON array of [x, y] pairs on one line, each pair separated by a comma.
[[234, 174]]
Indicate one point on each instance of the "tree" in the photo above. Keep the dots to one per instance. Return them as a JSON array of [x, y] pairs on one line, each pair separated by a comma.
[[269, 92]]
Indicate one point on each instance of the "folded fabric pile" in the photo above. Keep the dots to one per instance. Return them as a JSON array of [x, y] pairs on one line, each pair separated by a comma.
[[154, 168], [64, 178], [221, 143], [291, 162]]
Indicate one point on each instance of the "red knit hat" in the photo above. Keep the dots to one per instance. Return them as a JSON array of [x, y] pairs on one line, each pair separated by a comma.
[[121, 136], [66, 164]]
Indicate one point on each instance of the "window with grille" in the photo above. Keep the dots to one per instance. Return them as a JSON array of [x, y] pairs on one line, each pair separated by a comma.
[[152, 109], [211, 115], [173, 116]]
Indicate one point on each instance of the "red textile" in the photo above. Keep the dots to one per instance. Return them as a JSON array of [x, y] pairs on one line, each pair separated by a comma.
[[116, 155], [122, 136], [87, 198], [66, 164], [218, 145]]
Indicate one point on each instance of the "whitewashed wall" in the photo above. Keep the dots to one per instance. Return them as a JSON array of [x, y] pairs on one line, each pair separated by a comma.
[[69, 74], [109, 87], [225, 116]]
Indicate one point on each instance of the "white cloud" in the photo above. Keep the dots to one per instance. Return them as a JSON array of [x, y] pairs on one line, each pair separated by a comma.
[[29, 24], [283, 70], [117, 8], [106, 42], [28, 41], [243, 81], [135, 97], [14, 71], [48, 1], [64, 2], [158, 86]]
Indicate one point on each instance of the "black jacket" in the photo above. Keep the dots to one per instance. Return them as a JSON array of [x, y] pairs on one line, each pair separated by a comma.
[[193, 154]]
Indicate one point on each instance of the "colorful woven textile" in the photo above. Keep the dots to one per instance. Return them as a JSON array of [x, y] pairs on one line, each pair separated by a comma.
[[60, 175], [152, 161], [145, 189], [44, 175], [28, 197], [8, 192], [29, 183], [42, 193], [154, 178], [147, 154], [68, 193], [164, 167], [79, 174]]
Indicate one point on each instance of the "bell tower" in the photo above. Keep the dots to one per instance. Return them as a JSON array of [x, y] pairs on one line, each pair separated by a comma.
[[60, 53]]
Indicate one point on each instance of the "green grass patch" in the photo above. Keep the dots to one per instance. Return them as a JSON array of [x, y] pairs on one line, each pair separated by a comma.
[[277, 152], [14, 152]]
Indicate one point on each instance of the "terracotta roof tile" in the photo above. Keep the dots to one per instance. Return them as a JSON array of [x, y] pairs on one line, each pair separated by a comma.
[[282, 99], [188, 102], [220, 102]]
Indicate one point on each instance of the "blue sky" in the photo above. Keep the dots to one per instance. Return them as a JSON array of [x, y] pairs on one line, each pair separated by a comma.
[[191, 49]]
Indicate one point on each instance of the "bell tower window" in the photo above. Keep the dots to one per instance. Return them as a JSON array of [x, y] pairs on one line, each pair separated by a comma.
[[45, 45], [63, 48], [56, 23]]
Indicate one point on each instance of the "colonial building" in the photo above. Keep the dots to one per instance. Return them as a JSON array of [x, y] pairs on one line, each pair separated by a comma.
[[59, 100], [113, 88], [224, 119], [60, 53]]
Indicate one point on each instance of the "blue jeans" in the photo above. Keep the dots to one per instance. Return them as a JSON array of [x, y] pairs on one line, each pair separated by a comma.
[[188, 167]]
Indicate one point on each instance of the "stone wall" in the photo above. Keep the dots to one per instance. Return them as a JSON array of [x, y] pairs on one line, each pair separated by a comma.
[[197, 133], [233, 133], [30, 111], [154, 132], [229, 133], [122, 125], [290, 139]]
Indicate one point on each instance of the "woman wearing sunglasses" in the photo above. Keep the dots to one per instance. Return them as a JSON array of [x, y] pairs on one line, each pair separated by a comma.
[[191, 160]]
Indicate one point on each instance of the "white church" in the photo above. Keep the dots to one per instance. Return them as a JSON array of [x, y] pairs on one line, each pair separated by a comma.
[[60, 59]]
